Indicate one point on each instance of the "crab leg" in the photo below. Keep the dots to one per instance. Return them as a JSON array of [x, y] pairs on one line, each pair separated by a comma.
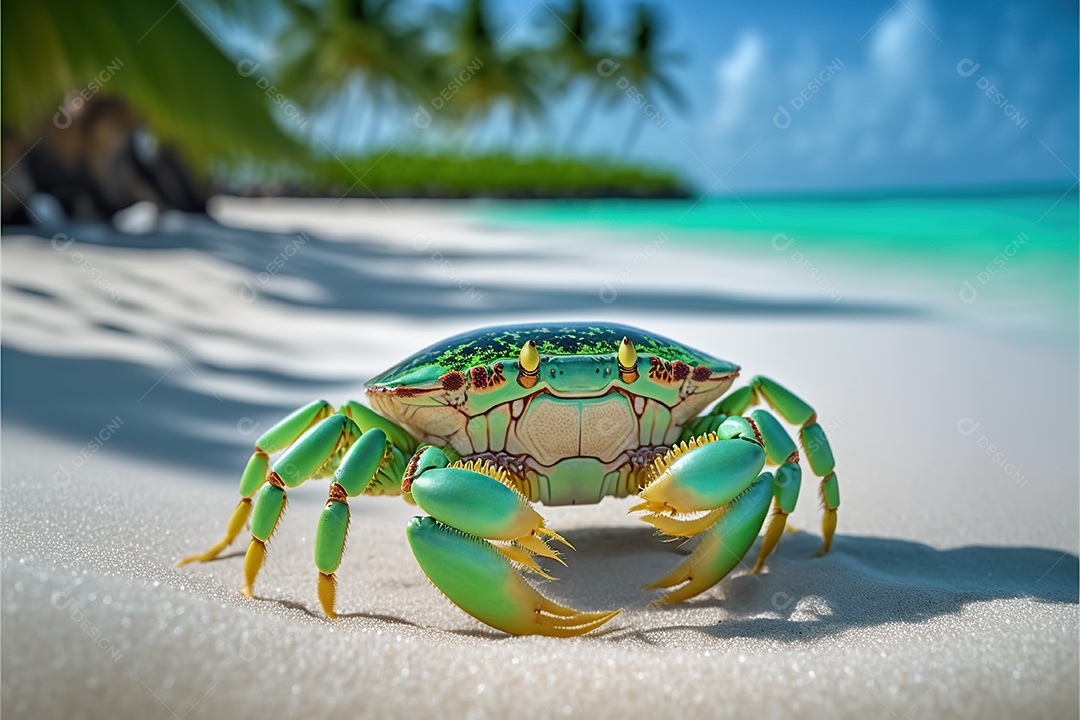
[[781, 451], [367, 419], [357, 469], [814, 443], [786, 482], [479, 530], [302, 460], [280, 436]]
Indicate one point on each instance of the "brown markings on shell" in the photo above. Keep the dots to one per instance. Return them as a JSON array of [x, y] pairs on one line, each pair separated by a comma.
[[452, 381], [497, 377], [479, 377], [680, 370], [660, 369], [405, 392], [701, 373]]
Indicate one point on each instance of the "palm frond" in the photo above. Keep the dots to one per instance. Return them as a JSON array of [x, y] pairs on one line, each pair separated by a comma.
[[151, 53]]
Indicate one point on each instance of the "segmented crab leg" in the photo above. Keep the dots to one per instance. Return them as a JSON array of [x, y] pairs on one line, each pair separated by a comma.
[[814, 443], [280, 436], [367, 419], [480, 532], [780, 450], [358, 468], [302, 460]]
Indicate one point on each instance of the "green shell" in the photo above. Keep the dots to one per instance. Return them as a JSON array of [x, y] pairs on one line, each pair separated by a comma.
[[488, 345]]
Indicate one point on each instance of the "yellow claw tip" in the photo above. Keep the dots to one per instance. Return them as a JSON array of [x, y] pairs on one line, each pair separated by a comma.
[[539, 571], [554, 535], [572, 624], [327, 590], [246, 591]]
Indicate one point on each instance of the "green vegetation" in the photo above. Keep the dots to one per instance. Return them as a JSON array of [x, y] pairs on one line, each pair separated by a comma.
[[323, 79], [448, 175]]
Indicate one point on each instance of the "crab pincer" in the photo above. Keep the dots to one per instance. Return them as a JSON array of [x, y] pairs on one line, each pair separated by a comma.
[[481, 531], [714, 485]]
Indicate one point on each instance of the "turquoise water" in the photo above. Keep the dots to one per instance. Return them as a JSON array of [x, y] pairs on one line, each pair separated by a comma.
[[1016, 250]]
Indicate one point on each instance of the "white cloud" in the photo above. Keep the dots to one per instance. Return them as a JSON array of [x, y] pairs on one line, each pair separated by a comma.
[[890, 108], [739, 75]]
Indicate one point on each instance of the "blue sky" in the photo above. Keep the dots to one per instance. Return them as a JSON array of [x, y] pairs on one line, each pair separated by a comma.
[[852, 95], [894, 111]]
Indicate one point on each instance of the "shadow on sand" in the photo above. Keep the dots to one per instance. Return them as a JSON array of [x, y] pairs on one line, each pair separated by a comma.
[[863, 582], [363, 274], [171, 418]]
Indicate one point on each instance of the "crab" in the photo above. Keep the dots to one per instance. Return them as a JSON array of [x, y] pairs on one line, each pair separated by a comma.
[[476, 429]]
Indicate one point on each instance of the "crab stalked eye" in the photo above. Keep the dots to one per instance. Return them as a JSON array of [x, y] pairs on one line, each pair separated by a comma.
[[627, 361], [528, 365]]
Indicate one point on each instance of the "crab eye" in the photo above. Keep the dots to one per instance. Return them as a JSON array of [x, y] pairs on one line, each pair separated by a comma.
[[528, 365], [627, 361]]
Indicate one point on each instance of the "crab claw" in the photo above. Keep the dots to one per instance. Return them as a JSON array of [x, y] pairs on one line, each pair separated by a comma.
[[477, 578], [722, 546], [701, 474]]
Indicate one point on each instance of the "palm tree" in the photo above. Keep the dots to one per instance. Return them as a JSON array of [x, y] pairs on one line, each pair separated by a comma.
[[495, 75], [153, 55], [345, 42], [645, 67], [574, 53], [106, 71]]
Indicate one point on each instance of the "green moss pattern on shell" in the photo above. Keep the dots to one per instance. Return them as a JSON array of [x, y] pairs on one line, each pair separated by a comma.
[[487, 345]]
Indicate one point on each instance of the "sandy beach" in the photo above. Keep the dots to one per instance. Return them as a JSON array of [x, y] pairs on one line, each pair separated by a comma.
[[140, 367]]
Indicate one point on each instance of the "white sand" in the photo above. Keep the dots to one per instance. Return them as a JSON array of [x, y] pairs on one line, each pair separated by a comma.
[[951, 589]]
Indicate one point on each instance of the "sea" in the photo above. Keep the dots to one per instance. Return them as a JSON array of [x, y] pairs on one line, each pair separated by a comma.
[[1010, 254]]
